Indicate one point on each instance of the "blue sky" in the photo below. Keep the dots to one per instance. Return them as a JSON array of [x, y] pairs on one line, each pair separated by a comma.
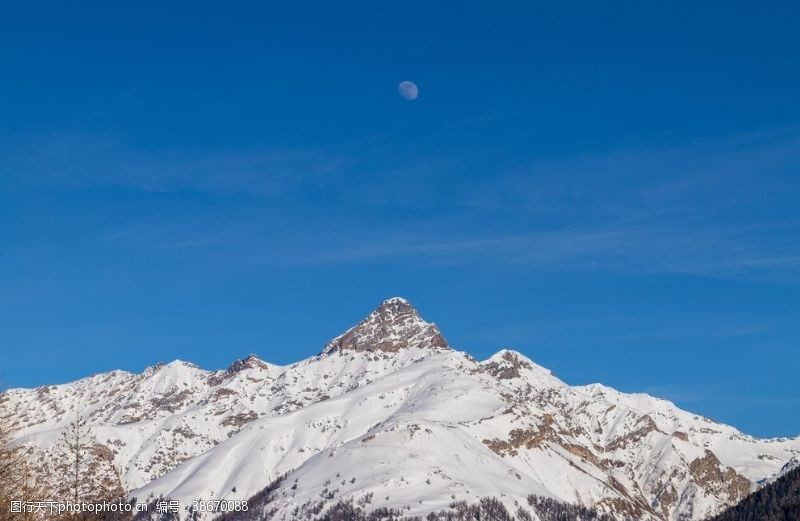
[[612, 192]]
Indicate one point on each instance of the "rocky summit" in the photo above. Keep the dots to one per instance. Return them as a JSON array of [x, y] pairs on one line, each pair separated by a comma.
[[395, 325]]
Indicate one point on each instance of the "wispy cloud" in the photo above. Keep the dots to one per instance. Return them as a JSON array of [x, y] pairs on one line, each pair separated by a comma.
[[733, 251], [723, 208]]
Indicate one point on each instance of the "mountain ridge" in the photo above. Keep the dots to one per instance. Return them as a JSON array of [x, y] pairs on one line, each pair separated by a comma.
[[395, 407]]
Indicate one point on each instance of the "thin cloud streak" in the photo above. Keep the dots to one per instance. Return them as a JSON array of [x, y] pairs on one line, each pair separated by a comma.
[[733, 252]]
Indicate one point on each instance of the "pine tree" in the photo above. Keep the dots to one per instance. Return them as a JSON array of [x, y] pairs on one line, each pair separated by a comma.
[[73, 449], [86, 473]]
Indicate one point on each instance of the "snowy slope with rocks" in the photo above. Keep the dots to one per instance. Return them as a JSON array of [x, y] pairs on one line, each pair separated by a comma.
[[390, 416]]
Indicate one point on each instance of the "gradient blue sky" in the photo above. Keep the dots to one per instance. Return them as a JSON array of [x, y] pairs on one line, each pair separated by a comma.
[[614, 192]]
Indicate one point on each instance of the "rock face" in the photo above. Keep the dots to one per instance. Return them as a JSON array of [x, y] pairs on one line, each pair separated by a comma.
[[395, 325], [390, 416], [710, 474]]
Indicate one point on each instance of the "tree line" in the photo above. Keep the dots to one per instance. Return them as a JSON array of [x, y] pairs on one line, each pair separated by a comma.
[[778, 501]]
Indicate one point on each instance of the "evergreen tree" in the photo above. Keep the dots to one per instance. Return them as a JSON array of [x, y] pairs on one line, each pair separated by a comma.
[[778, 501]]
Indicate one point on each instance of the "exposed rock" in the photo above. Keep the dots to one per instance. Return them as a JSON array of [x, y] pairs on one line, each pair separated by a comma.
[[528, 438], [681, 435], [395, 325], [237, 420], [667, 499], [249, 362], [724, 482], [645, 425], [507, 368]]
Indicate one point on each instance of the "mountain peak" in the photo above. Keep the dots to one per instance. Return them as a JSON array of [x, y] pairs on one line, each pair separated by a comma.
[[393, 326], [249, 362], [392, 307]]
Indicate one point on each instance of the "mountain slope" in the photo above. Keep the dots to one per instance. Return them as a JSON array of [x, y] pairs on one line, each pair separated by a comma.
[[388, 413]]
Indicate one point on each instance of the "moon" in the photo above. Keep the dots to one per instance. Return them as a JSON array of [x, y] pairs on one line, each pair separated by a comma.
[[408, 90]]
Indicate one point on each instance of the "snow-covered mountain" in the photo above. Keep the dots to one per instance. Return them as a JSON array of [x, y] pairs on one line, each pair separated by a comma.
[[388, 415]]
